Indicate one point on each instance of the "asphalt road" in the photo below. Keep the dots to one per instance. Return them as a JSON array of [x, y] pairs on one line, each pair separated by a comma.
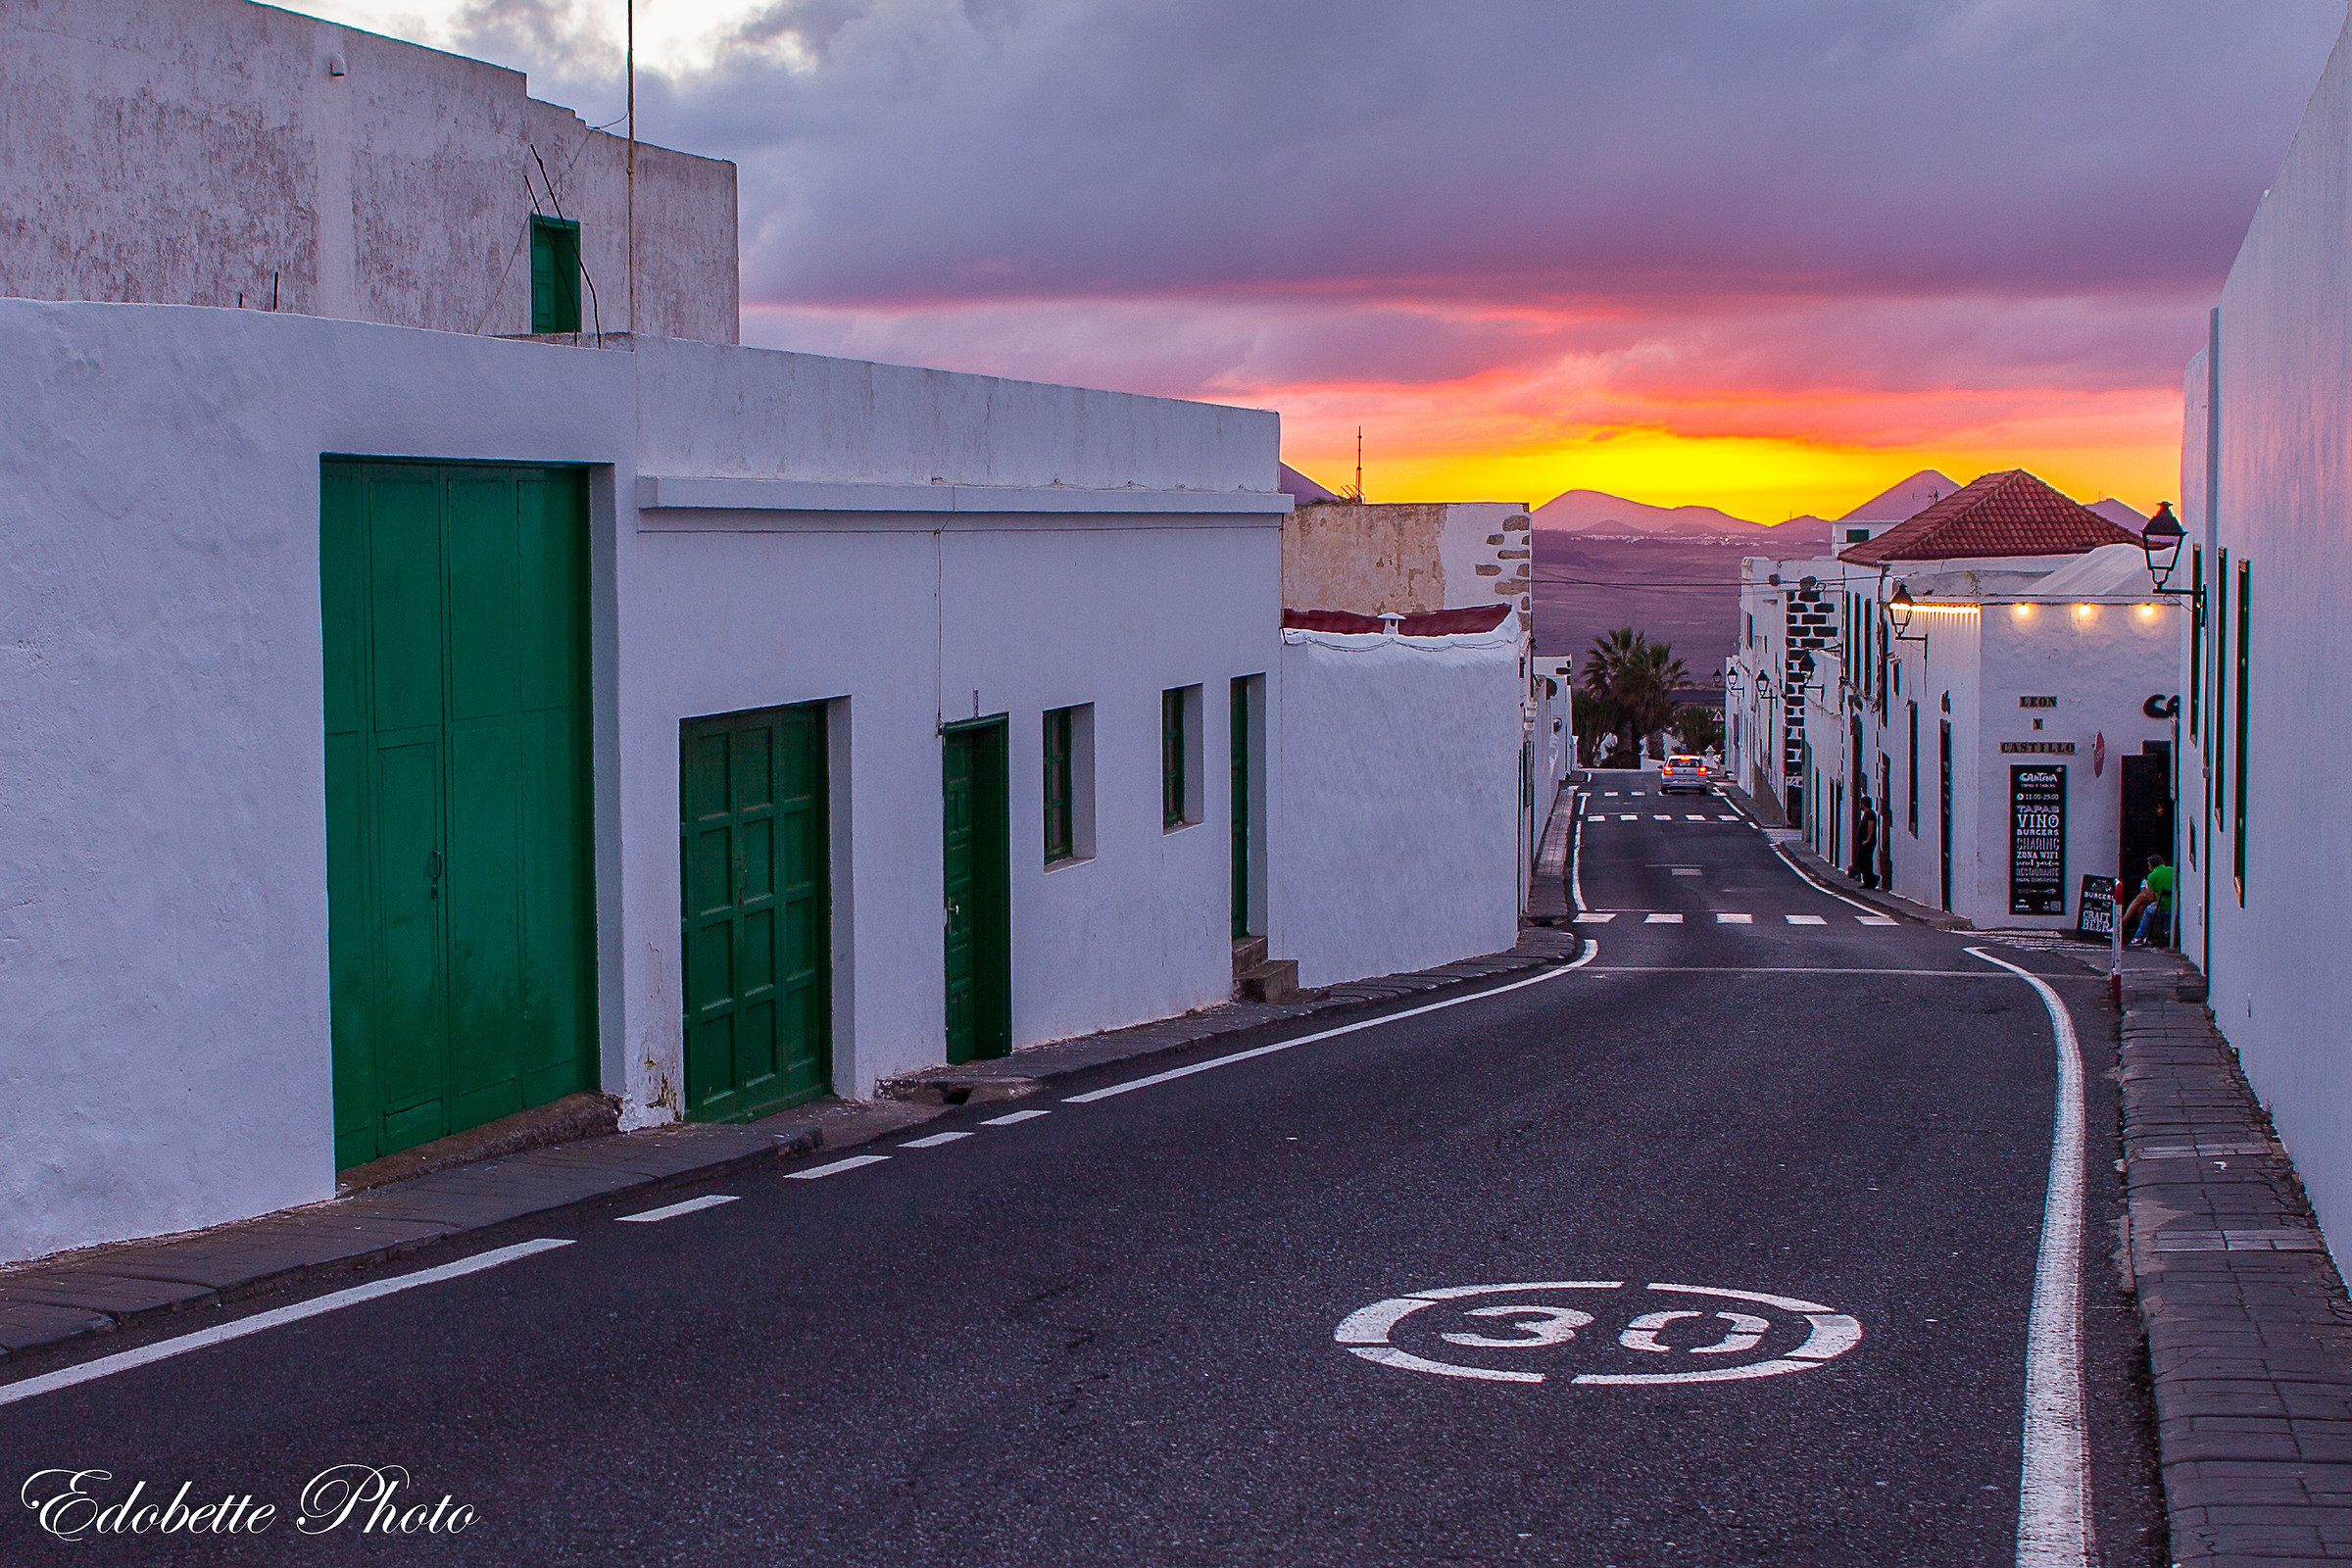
[[1134, 1330]]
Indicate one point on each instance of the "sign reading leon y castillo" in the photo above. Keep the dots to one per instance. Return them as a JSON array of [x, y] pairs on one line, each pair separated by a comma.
[[364, 1499]]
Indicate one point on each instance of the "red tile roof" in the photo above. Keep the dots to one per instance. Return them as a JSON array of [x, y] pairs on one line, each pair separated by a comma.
[[1427, 623], [2006, 514]]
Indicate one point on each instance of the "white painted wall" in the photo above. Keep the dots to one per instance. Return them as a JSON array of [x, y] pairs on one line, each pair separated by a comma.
[[2279, 990], [164, 1053], [1391, 850], [396, 192], [165, 1056]]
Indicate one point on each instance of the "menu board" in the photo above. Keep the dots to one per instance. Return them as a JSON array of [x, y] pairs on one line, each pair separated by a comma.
[[2036, 839], [2094, 910]]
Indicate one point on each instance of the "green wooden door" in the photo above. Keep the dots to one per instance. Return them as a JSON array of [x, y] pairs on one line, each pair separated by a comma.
[[1240, 704], [755, 889], [460, 898], [978, 892]]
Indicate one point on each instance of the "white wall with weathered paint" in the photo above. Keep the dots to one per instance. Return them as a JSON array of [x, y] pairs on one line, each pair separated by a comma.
[[373, 180], [164, 1057], [1391, 851], [2275, 501]]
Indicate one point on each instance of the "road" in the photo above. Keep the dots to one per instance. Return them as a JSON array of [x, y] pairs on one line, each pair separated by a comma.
[[1180, 1324]]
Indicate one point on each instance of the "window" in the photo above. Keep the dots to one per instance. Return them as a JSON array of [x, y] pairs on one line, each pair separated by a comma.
[[1068, 756], [1858, 536], [1180, 788], [555, 274], [1062, 834], [2237, 804], [1912, 815]]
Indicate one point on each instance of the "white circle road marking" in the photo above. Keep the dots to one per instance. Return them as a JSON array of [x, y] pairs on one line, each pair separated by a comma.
[[1530, 1325]]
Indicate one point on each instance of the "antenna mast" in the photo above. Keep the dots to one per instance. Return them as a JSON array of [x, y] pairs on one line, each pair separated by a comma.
[[632, 45], [1359, 463]]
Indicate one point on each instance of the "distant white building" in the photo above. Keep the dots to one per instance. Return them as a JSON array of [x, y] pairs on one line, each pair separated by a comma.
[[1992, 682]]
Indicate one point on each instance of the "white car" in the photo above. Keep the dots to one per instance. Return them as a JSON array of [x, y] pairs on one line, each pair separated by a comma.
[[1685, 773]]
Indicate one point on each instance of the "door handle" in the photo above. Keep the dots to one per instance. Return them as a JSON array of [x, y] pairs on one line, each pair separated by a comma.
[[432, 873]]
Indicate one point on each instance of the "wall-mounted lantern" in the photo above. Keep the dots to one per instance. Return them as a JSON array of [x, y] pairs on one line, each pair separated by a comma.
[[2160, 542]]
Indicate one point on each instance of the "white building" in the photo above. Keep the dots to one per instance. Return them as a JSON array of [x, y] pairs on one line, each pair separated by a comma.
[[2266, 485], [2010, 726], [216, 151]]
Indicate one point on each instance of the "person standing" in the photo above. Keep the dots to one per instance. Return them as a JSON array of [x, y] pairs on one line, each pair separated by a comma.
[[1866, 844]]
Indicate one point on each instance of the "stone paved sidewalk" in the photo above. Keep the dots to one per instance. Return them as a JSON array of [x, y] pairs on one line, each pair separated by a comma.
[[57, 1299], [2249, 1329]]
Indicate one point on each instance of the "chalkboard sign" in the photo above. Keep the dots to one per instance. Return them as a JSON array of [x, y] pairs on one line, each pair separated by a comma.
[[2036, 839], [2095, 911]]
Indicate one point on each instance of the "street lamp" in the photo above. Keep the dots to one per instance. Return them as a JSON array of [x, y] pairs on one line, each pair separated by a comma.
[[1898, 611], [2160, 542]]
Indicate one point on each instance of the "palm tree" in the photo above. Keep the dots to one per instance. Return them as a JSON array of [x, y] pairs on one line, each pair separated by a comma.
[[1637, 679]]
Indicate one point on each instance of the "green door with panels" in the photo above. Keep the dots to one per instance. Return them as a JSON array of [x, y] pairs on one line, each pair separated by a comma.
[[454, 607], [977, 834], [756, 886], [1240, 756]]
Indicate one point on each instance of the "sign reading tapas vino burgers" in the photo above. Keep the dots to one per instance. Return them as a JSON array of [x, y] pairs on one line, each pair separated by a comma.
[[2036, 839]]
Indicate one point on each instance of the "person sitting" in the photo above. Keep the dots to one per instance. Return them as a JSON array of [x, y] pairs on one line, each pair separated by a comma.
[[2152, 906]]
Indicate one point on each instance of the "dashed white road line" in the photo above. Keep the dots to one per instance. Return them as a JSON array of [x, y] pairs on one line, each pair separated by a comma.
[[1672, 918], [1691, 817], [1734, 919], [1591, 952], [935, 1140], [1661, 818], [834, 1169], [1596, 917], [163, 1349], [2053, 1505], [1806, 919], [1876, 919], [1014, 1116], [673, 1210]]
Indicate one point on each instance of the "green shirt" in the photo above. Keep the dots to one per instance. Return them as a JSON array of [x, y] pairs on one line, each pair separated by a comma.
[[2160, 883]]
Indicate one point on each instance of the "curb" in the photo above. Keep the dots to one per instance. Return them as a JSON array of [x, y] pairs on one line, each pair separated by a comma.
[[2249, 1329], [96, 1291], [1037, 1068], [57, 1299]]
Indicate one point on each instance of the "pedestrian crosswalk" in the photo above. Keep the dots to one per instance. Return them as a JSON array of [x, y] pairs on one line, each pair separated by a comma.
[[1678, 917], [1661, 817]]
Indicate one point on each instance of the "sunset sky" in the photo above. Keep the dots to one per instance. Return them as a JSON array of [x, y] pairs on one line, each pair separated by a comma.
[[1767, 255]]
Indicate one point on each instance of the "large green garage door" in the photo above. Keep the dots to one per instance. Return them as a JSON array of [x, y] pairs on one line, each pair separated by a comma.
[[460, 898], [756, 888]]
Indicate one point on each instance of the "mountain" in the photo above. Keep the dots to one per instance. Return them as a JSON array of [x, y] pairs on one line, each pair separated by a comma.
[[2122, 513], [1904, 498], [1595, 514]]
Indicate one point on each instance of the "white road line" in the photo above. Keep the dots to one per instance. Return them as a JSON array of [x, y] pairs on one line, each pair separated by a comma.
[[1693, 817], [1766, 968], [1662, 919], [1592, 917], [1591, 952], [673, 1210], [1806, 919], [1734, 919], [934, 1141], [1014, 1116], [1730, 817], [1611, 793], [1876, 919], [1576, 859], [834, 1169], [1627, 816], [1661, 818], [165, 1349], [2053, 1505]]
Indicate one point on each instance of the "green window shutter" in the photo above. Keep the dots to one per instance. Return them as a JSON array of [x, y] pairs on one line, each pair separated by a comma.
[[1171, 759], [2215, 762], [555, 275], [2238, 820], [2197, 639], [1060, 838]]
